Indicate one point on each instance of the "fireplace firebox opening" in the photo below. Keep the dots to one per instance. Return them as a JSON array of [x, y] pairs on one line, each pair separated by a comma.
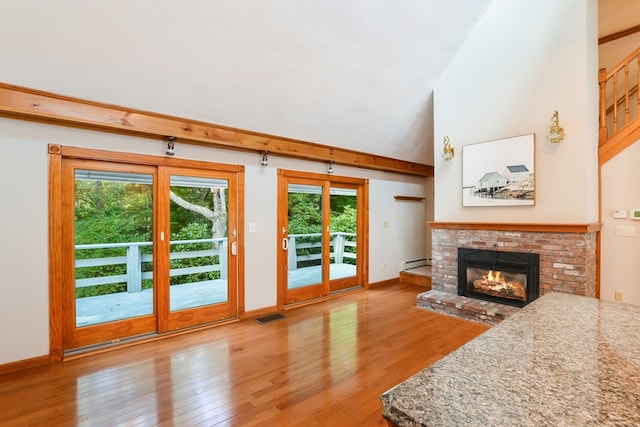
[[505, 277]]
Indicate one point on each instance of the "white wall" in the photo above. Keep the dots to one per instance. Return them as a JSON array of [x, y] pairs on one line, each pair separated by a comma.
[[524, 60], [24, 310], [394, 235], [430, 201], [24, 286], [619, 267]]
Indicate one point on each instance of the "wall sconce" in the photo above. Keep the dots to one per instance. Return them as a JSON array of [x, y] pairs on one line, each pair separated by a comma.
[[330, 167], [448, 152], [265, 158], [171, 145], [556, 133]]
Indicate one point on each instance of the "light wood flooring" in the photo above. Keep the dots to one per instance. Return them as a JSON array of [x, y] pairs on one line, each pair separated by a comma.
[[325, 364]]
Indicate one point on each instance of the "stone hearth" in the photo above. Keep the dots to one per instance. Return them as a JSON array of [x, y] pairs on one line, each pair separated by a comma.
[[567, 262], [477, 310]]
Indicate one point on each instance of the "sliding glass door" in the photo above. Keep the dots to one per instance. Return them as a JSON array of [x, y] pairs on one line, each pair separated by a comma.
[[343, 223], [150, 249], [322, 230], [202, 248], [304, 241]]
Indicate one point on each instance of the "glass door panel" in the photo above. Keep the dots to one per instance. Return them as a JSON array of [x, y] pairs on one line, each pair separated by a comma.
[[109, 289], [305, 243], [199, 242], [113, 246], [146, 249], [321, 225], [302, 265], [344, 232], [201, 249]]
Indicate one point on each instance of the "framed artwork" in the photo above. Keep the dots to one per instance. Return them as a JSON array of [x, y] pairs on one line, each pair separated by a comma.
[[499, 172]]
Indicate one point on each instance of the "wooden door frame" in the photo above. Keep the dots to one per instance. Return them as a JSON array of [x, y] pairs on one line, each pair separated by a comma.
[[74, 337], [363, 223], [57, 260], [362, 217], [313, 290], [191, 317]]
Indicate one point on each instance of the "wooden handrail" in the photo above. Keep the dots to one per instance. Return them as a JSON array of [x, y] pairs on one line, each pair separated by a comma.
[[623, 63], [619, 34], [611, 78]]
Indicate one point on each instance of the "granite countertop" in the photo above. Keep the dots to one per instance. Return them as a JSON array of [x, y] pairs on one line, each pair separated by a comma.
[[563, 360]]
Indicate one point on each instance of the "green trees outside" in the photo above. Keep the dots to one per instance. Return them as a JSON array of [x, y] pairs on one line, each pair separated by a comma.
[[305, 217], [113, 212], [305, 213], [110, 212], [121, 211], [344, 218]]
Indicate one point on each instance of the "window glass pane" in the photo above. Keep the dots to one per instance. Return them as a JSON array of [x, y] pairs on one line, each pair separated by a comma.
[[344, 229], [199, 242], [305, 235], [114, 247]]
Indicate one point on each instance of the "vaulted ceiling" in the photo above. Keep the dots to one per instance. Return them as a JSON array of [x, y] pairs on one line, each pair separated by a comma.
[[345, 73]]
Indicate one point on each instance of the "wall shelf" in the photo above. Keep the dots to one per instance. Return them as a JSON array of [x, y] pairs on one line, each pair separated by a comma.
[[409, 198]]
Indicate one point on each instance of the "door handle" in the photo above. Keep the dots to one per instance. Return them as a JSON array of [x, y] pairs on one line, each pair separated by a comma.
[[234, 248], [285, 243]]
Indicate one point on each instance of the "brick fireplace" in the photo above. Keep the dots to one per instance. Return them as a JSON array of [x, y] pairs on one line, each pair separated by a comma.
[[567, 262]]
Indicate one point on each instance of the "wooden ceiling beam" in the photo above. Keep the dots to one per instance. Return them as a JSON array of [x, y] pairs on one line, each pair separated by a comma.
[[36, 105]]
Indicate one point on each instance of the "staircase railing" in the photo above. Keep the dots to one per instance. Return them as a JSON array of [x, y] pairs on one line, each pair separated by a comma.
[[619, 91]]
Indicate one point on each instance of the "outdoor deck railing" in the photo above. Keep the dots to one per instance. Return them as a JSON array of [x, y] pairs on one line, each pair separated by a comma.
[[311, 250], [302, 248], [135, 257]]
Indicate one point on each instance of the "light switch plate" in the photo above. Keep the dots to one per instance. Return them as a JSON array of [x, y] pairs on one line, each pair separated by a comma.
[[626, 230]]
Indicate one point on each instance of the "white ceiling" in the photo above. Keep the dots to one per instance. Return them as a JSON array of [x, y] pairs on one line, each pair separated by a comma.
[[355, 74]]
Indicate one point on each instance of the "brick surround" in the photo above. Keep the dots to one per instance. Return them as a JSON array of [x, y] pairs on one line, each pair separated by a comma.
[[567, 262]]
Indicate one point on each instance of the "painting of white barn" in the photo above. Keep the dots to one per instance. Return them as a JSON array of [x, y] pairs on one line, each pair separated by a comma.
[[491, 182], [516, 173], [499, 172]]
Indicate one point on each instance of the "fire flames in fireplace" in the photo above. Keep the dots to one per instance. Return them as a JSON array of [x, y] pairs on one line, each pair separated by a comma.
[[503, 277], [496, 284]]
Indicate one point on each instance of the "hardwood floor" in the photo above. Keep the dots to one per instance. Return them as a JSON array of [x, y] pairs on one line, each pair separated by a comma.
[[323, 365]]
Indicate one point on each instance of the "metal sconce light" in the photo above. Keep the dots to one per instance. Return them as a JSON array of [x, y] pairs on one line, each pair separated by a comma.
[[556, 133], [171, 145], [330, 168], [448, 152], [265, 158]]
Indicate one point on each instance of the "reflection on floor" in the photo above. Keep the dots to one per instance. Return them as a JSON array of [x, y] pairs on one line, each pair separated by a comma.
[[326, 364]]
